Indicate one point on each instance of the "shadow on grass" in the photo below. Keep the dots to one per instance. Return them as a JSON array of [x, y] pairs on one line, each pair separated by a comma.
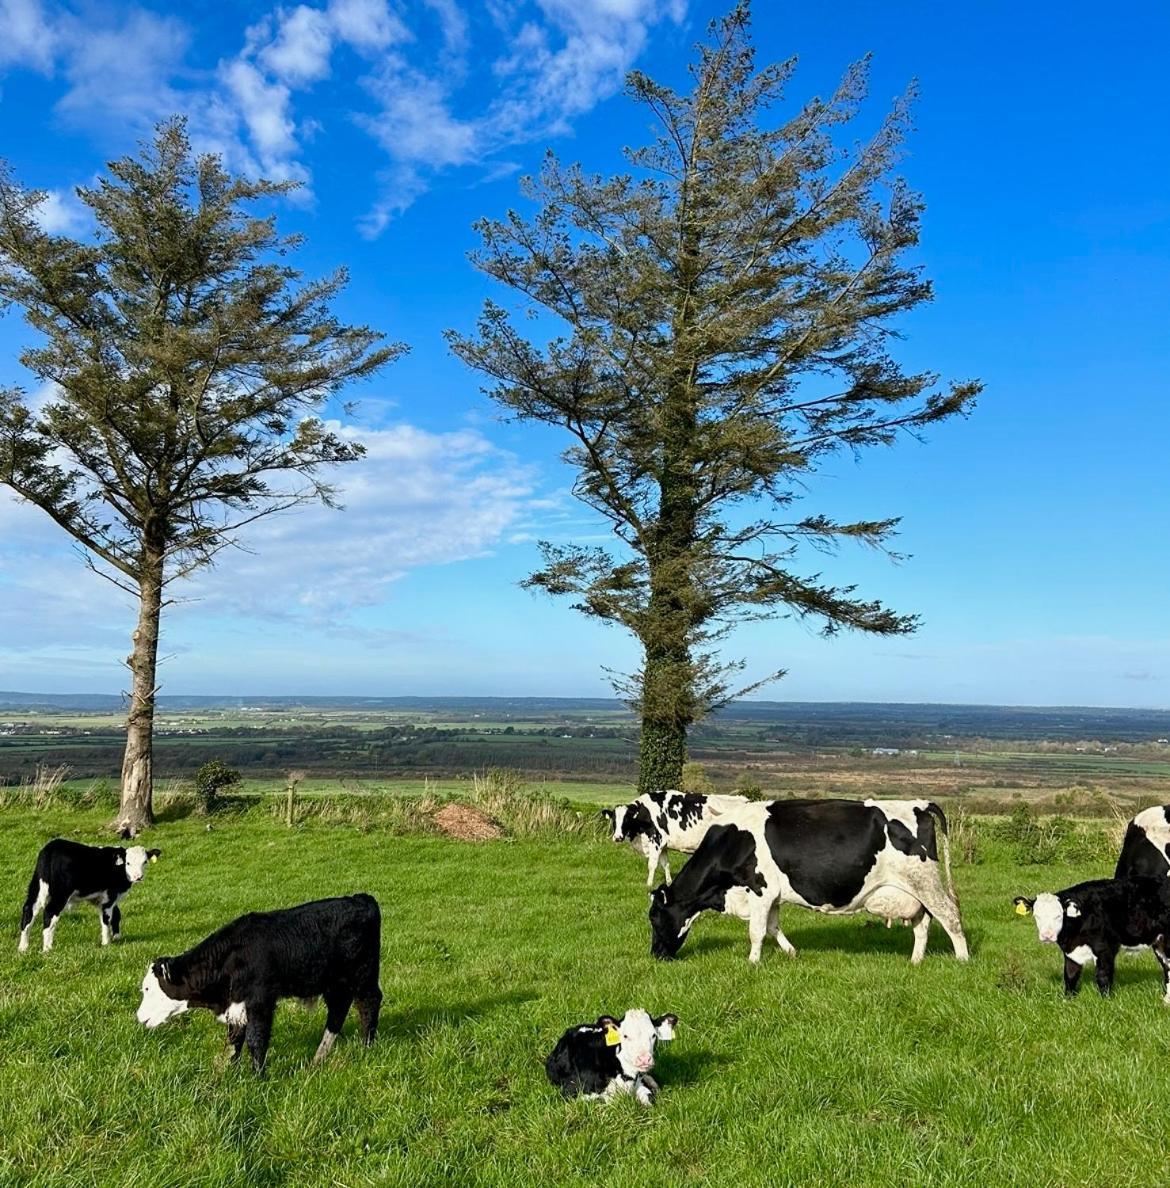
[[419, 1019], [687, 1068]]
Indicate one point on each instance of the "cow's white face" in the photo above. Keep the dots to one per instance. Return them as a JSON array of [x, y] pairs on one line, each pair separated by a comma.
[[619, 816], [639, 1035], [157, 1005], [136, 860], [1049, 913]]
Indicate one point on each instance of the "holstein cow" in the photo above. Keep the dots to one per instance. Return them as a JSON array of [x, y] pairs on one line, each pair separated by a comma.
[[330, 947], [835, 856], [656, 821], [606, 1058], [1092, 921], [68, 872], [1145, 852]]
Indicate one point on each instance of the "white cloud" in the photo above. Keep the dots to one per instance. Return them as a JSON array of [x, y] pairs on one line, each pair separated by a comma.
[[300, 52], [28, 37], [264, 108], [366, 24], [61, 213]]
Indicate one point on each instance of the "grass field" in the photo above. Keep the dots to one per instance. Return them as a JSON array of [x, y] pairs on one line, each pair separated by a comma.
[[844, 1066]]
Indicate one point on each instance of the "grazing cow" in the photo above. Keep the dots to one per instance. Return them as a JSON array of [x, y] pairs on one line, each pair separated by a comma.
[[1145, 852], [657, 821], [330, 947], [836, 856], [68, 872], [606, 1058], [1092, 921]]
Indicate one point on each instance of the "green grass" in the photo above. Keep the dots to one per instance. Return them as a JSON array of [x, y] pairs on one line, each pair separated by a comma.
[[842, 1067]]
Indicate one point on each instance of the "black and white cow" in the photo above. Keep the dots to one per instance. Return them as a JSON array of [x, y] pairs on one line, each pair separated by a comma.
[[657, 821], [68, 872], [1092, 921], [330, 947], [1145, 852], [835, 856], [606, 1058]]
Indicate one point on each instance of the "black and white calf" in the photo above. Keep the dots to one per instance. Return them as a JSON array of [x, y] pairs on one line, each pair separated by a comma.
[[606, 1058], [657, 821], [330, 947], [1092, 921], [835, 856], [68, 872], [1145, 852]]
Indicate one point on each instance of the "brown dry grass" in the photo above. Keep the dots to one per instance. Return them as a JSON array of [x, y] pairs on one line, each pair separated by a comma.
[[466, 823]]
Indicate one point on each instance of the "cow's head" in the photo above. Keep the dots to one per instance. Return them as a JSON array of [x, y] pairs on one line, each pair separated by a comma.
[[1053, 914], [639, 1034], [669, 924], [136, 859], [162, 999], [631, 821]]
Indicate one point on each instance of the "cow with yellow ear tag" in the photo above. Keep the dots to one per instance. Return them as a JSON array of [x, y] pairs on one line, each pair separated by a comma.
[[609, 1057]]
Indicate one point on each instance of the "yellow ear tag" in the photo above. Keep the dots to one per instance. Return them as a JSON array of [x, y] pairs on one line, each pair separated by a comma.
[[154, 857], [613, 1037], [1021, 909]]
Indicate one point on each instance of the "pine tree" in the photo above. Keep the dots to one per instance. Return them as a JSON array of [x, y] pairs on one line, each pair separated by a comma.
[[185, 361], [730, 304]]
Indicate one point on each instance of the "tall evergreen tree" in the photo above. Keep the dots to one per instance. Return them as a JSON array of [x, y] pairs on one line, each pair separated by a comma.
[[730, 304], [186, 361]]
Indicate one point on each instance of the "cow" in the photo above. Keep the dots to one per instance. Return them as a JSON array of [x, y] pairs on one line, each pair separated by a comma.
[[1092, 921], [656, 821], [329, 947], [1145, 852], [606, 1058], [68, 872], [835, 856]]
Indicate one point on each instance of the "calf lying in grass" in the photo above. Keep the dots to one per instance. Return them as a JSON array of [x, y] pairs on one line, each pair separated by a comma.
[[606, 1058], [330, 947], [1092, 921]]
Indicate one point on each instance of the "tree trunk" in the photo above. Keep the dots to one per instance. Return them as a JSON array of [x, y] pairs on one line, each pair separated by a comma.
[[663, 751], [137, 808]]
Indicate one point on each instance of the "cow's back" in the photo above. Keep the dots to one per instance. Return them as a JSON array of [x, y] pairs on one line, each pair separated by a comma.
[[1146, 846]]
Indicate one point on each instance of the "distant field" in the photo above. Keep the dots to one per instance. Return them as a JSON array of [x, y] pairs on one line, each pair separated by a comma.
[[1091, 761], [844, 1066]]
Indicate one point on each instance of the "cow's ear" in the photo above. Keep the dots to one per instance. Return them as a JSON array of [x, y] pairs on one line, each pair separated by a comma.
[[608, 814], [665, 1025], [658, 895], [1024, 905], [154, 855], [606, 1021]]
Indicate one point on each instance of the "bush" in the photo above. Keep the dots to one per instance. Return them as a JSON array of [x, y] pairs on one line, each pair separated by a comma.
[[695, 779], [211, 780], [1040, 841]]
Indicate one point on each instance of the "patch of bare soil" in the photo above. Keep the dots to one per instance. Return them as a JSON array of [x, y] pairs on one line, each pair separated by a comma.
[[466, 823]]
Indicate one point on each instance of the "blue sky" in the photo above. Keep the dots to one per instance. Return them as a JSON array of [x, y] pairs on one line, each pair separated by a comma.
[[1037, 529]]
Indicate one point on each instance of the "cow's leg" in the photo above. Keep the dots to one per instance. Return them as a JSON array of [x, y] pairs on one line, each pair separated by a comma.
[[368, 1006], [34, 904], [258, 1031], [116, 920], [785, 944], [1159, 947], [921, 934], [235, 1039], [1104, 974], [337, 1004], [53, 908], [944, 909], [758, 914], [104, 912], [664, 862], [1072, 975]]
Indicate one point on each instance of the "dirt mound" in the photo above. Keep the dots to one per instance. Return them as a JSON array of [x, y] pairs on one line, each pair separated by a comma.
[[466, 823]]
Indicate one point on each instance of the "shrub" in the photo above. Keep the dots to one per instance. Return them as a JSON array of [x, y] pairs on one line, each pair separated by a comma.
[[211, 780], [695, 779]]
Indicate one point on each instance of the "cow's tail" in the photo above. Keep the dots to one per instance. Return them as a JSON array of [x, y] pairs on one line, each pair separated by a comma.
[[941, 817]]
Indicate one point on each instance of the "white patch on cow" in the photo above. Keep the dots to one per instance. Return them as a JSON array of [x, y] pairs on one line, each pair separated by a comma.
[[1072, 911], [1049, 914], [619, 815], [687, 924], [49, 933], [740, 902], [38, 907], [639, 1035], [325, 1046], [157, 1005], [1082, 955], [236, 1015], [136, 861], [105, 933]]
